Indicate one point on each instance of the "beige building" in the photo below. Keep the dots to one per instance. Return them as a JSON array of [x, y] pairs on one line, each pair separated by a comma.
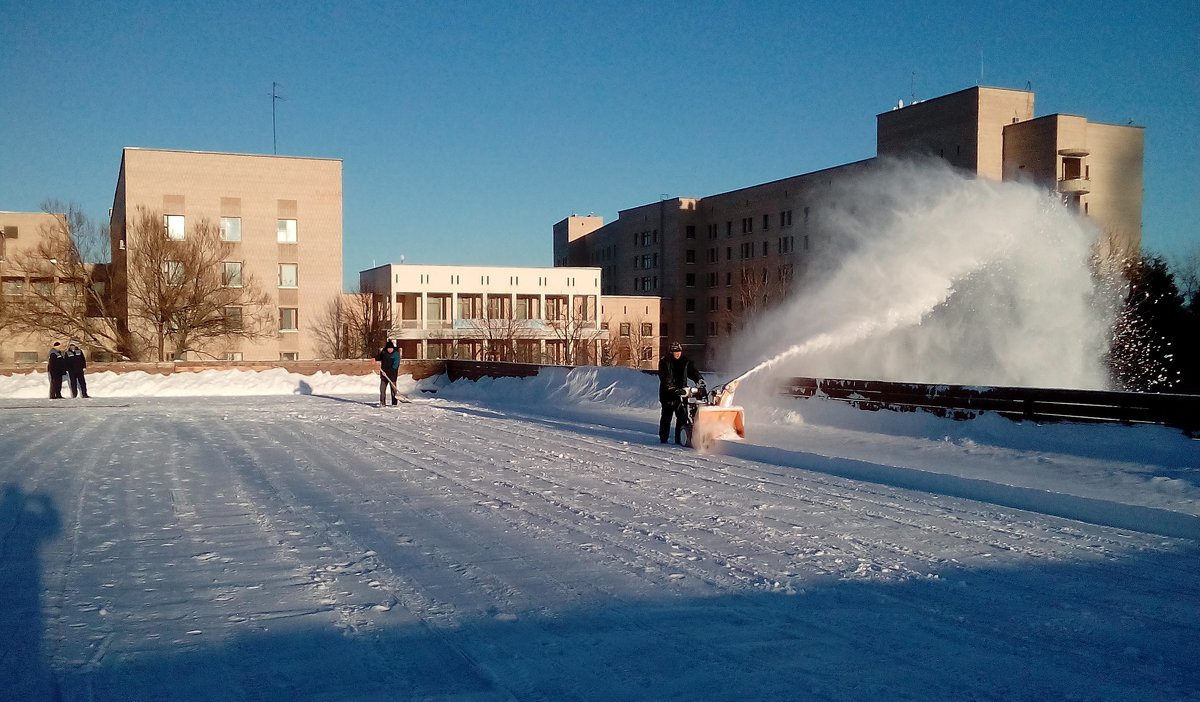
[[718, 260], [633, 323], [20, 233], [283, 216], [531, 315]]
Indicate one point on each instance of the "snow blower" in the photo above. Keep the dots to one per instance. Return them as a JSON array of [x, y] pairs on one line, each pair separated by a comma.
[[712, 416]]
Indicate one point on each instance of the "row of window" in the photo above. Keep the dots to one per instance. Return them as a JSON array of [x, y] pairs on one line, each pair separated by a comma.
[[175, 227], [645, 283], [288, 318], [747, 224], [625, 329], [783, 245], [513, 280], [645, 238], [231, 275]]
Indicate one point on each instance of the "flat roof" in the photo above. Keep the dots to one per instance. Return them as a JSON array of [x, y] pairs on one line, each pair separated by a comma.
[[228, 153]]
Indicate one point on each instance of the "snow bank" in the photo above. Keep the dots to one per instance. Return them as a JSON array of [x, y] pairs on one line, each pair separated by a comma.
[[204, 383], [614, 387]]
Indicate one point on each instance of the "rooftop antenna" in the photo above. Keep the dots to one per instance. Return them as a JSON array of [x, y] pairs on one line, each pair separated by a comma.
[[913, 89], [275, 97]]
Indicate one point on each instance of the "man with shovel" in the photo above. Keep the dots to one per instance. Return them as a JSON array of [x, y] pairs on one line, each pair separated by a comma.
[[389, 368]]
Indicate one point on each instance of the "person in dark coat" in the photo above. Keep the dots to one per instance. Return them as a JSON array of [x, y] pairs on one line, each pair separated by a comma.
[[674, 370], [76, 362], [56, 365], [389, 368]]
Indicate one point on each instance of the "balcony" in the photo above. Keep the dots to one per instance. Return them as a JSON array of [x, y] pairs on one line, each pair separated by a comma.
[[1075, 186]]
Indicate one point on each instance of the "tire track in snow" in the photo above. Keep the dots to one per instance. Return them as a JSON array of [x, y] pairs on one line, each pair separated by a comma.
[[874, 545]]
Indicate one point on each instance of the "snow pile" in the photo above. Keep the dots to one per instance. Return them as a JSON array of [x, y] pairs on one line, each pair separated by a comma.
[[204, 383], [614, 387]]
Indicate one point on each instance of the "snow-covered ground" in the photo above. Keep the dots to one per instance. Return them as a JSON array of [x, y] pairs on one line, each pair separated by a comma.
[[266, 536]]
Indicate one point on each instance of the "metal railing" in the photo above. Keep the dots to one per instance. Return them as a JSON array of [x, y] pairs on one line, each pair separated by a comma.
[[1035, 404]]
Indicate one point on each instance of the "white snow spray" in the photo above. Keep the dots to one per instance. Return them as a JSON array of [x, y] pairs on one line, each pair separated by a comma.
[[920, 273]]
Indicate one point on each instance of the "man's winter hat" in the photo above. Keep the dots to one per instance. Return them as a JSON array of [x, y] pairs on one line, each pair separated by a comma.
[[55, 345], [676, 346], [389, 345]]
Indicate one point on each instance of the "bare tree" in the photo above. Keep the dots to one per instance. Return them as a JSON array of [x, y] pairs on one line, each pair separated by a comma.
[[71, 292], [756, 292], [353, 325], [504, 336], [182, 291], [576, 330]]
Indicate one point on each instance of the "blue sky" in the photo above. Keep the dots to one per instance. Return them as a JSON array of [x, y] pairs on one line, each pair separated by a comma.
[[483, 123]]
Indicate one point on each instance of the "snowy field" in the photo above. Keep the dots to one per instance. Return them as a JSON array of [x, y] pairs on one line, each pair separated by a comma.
[[266, 536]]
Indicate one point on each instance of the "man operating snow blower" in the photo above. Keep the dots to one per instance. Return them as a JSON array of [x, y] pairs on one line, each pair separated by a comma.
[[674, 371]]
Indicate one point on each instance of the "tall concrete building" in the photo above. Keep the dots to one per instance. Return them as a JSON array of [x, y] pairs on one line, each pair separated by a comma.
[[716, 261], [281, 215]]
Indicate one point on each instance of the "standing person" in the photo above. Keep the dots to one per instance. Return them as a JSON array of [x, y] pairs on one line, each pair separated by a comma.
[[674, 370], [76, 362], [389, 368], [56, 365]]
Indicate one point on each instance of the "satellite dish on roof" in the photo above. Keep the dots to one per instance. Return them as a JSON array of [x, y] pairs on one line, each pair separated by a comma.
[[402, 259]]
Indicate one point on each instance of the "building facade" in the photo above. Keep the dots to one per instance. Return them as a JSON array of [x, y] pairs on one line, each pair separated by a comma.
[[529, 315], [633, 323], [20, 234], [280, 217], [717, 261]]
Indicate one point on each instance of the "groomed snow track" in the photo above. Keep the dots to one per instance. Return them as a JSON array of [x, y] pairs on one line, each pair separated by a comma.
[[320, 548]]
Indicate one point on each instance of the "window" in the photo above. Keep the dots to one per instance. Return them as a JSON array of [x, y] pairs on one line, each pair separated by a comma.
[[647, 329], [231, 356], [173, 226], [690, 231], [690, 280], [690, 256], [232, 318], [287, 231], [647, 353], [231, 229], [690, 304], [289, 356], [287, 275], [766, 222], [625, 329], [287, 319], [231, 276], [173, 272], [27, 357]]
